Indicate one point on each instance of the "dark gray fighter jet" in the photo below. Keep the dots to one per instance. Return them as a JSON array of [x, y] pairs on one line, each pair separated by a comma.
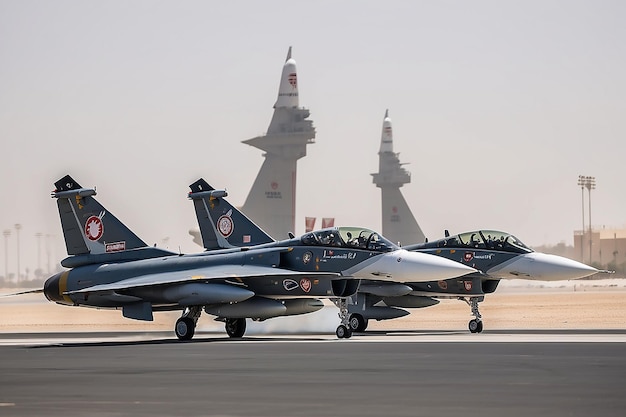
[[111, 267], [349, 251], [496, 255]]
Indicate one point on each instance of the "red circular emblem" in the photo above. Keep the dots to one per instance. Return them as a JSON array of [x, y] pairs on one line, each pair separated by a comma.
[[394, 209], [274, 185], [225, 225], [305, 284], [94, 228]]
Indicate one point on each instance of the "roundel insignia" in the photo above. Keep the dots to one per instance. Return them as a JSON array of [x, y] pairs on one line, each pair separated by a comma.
[[443, 285], [468, 256], [94, 228], [225, 225]]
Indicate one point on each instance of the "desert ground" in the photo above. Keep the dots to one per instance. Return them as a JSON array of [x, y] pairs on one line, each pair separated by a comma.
[[516, 305]]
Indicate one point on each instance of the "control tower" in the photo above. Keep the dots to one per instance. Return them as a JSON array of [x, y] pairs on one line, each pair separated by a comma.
[[271, 202], [399, 224]]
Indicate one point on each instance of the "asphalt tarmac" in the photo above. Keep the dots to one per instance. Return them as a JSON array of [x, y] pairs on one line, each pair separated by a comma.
[[375, 374]]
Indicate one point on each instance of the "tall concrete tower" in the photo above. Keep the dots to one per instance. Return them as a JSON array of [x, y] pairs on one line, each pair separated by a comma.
[[271, 202], [399, 224]]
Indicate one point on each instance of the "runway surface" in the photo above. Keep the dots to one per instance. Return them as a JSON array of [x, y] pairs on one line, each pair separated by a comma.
[[400, 373]]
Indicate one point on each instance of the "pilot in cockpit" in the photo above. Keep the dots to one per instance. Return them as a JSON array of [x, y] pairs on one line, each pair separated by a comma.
[[330, 238]]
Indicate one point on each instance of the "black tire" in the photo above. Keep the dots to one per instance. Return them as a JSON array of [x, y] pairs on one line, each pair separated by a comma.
[[235, 328], [474, 325], [185, 328], [358, 323], [480, 327], [343, 332]]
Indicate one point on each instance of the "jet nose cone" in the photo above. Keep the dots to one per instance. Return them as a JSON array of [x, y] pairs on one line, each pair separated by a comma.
[[542, 266], [417, 267]]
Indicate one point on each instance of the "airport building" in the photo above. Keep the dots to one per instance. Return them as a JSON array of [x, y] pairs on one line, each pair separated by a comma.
[[605, 247]]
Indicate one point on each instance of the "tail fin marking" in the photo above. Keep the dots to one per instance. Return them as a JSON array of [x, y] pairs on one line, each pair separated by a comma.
[[221, 224], [87, 226]]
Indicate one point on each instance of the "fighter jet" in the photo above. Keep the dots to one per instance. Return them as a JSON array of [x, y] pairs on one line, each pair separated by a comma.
[[111, 267], [496, 255], [354, 252]]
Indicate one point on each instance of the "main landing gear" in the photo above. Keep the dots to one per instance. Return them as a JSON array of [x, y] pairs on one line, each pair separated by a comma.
[[358, 323], [186, 325], [475, 325], [235, 327], [344, 331]]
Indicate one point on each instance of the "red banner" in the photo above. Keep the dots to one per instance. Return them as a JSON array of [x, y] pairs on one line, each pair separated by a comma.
[[328, 222], [309, 224]]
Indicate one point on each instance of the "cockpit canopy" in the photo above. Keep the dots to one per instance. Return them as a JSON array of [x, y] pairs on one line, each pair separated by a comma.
[[350, 238], [482, 239]]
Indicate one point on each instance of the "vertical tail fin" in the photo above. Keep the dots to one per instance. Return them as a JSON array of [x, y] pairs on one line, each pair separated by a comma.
[[88, 227], [221, 224]]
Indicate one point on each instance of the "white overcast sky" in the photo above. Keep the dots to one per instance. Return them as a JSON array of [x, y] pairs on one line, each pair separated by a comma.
[[498, 106]]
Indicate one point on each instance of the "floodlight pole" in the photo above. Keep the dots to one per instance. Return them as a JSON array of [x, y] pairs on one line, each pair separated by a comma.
[[581, 182], [17, 237], [6, 234], [38, 235], [591, 185]]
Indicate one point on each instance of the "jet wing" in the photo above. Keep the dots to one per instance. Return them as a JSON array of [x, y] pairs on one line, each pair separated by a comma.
[[216, 272], [37, 291]]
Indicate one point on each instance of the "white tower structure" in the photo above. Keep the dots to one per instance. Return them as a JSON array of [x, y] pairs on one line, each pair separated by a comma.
[[271, 202], [399, 224]]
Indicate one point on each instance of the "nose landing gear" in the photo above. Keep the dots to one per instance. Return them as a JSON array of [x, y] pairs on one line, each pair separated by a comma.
[[344, 331], [475, 325]]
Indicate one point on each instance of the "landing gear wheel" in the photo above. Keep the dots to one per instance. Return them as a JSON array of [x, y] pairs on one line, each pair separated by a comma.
[[475, 326], [185, 328], [358, 323], [235, 327], [343, 332]]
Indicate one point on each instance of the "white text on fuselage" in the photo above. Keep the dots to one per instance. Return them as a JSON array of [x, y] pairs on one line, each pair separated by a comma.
[[330, 254]]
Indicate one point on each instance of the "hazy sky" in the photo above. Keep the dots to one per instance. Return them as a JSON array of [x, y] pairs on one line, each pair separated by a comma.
[[498, 106]]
